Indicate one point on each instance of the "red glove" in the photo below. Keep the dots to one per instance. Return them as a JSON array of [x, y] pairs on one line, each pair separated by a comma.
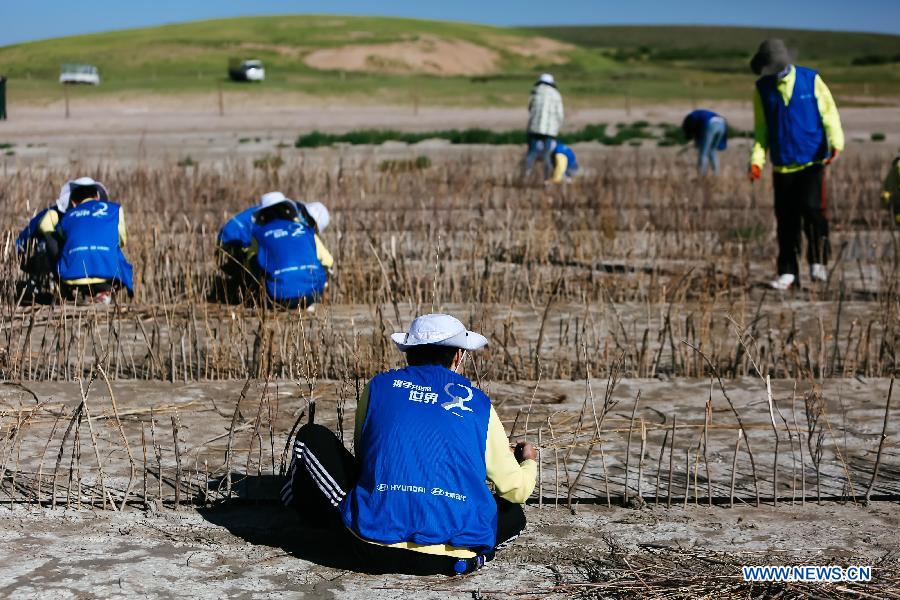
[[754, 173], [834, 155]]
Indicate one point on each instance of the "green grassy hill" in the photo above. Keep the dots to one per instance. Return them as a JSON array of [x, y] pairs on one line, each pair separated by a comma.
[[593, 64]]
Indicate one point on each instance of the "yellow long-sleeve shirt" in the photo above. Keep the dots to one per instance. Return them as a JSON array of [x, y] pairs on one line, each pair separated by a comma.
[[513, 481], [49, 222], [831, 121]]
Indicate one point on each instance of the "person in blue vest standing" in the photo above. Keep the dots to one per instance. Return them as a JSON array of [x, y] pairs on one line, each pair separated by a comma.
[[286, 253], [92, 232], [796, 121], [414, 499], [709, 131]]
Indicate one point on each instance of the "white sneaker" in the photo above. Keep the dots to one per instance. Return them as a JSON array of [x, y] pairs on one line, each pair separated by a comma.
[[818, 272], [784, 282]]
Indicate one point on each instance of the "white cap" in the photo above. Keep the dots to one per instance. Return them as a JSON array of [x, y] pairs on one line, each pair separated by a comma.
[[62, 203], [271, 199], [319, 214], [547, 78], [438, 330]]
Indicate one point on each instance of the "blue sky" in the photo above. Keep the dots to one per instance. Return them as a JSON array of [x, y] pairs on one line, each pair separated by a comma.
[[23, 20]]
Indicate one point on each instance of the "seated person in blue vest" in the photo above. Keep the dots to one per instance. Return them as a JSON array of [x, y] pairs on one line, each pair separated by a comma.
[[235, 239], [796, 120], [709, 132], [37, 245], [415, 498], [91, 234], [286, 253], [565, 164]]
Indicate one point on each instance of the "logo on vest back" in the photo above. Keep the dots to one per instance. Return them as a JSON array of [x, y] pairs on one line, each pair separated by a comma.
[[458, 401]]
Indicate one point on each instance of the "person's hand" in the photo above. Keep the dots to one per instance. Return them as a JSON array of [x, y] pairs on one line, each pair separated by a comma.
[[832, 156], [525, 451], [754, 173]]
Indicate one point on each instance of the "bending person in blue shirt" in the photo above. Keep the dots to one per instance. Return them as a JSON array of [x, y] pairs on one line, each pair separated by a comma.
[[710, 134], [415, 498], [237, 245], [286, 253]]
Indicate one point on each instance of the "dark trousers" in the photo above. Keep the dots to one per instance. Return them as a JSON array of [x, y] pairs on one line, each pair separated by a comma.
[[540, 145], [322, 473], [800, 206]]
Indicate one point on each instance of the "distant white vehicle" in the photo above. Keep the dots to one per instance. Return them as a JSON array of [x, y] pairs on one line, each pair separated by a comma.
[[76, 73], [246, 70]]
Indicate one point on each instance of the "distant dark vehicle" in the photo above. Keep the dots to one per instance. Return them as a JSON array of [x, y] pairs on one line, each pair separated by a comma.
[[246, 70]]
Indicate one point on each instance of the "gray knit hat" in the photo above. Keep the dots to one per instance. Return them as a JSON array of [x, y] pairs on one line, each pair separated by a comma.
[[771, 57]]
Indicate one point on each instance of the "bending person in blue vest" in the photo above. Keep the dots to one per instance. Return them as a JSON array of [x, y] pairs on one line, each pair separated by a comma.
[[797, 122], [709, 132], [235, 241], [286, 252], [565, 165], [415, 498], [91, 233]]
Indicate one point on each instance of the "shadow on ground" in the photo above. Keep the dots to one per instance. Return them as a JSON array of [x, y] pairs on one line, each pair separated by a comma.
[[257, 516]]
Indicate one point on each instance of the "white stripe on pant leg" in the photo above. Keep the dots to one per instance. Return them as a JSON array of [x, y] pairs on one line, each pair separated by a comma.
[[287, 495], [287, 490], [334, 496], [323, 486], [309, 456]]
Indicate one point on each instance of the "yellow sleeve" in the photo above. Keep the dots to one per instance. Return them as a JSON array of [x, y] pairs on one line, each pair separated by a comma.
[[361, 408], [760, 133], [891, 186], [514, 481], [831, 120], [562, 163], [323, 254], [123, 236], [251, 250], [49, 222]]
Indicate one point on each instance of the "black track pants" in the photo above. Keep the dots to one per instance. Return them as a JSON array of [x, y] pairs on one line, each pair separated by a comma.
[[323, 471], [800, 206]]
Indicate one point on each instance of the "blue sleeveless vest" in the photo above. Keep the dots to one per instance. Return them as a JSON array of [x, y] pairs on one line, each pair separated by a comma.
[[422, 463], [91, 247], [238, 229], [31, 230], [572, 165], [287, 257], [796, 134]]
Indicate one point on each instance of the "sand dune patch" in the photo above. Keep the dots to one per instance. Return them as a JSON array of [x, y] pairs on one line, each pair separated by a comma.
[[428, 54], [540, 48]]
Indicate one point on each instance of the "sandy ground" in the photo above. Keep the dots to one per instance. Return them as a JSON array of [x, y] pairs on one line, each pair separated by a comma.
[[172, 127], [259, 551]]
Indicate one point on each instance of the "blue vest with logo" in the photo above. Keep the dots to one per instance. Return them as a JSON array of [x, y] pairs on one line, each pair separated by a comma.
[[422, 462], [91, 244], [238, 229], [287, 257], [31, 230], [796, 134]]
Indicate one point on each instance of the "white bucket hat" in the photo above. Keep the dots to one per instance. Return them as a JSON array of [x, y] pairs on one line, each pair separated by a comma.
[[438, 330], [319, 214], [271, 199], [62, 203], [547, 78]]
